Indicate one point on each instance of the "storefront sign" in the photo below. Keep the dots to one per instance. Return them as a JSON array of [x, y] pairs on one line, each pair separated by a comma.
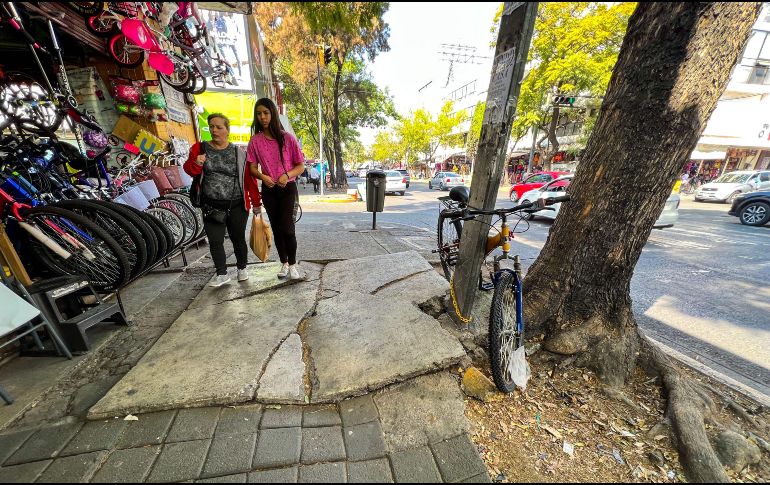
[[175, 106]]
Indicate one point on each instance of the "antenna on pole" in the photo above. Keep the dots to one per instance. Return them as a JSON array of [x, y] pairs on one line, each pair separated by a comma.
[[464, 54]]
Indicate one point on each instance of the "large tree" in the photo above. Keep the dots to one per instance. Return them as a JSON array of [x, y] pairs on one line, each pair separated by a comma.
[[574, 49], [674, 64]]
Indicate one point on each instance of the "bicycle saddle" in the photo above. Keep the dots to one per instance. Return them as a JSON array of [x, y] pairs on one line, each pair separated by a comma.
[[460, 194]]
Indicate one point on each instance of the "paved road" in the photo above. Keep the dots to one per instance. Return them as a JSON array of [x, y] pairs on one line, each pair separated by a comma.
[[700, 287]]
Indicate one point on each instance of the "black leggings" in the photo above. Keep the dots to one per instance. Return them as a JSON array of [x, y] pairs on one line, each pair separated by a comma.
[[279, 205], [237, 218]]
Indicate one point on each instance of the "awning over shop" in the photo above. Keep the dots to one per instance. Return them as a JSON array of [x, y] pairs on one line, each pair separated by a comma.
[[244, 8], [699, 155]]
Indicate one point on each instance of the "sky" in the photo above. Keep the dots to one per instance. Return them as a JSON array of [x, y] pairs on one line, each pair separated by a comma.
[[417, 31]]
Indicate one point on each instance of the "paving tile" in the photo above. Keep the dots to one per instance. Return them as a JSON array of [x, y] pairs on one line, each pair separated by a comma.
[[278, 475], [278, 448], [415, 465], [127, 466], [322, 445], [194, 424], [323, 473], [318, 416], [151, 429], [73, 469], [180, 461], [44, 444], [483, 478], [26, 473], [372, 471], [458, 459], [229, 455], [364, 442], [9, 443], [95, 436], [358, 410], [239, 420], [286, 417], [239, 478]]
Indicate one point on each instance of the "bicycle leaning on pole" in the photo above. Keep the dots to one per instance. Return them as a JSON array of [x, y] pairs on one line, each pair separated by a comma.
[[506, 317]]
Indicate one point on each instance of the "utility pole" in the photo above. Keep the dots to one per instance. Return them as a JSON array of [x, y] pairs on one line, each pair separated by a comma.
[[516, 27], [318, 60]]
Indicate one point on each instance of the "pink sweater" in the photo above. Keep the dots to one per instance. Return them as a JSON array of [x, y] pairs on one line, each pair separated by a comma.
[[264, 152]]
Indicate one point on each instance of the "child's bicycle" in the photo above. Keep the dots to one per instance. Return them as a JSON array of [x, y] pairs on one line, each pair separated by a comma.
[[506, 317]]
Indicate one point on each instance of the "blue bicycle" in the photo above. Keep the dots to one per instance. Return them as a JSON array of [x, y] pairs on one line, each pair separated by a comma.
[[506, 317]]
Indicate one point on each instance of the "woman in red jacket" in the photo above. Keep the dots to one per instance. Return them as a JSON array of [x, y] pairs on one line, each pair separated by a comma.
[[228, 193]]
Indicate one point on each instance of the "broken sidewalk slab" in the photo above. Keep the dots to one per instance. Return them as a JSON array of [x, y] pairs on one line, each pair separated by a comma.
[[372, 273], [211, 355], [422, 288], [284, 379], [360, 343], [262, 277]]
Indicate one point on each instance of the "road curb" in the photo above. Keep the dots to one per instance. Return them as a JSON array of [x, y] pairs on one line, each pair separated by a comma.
[[733, 384]]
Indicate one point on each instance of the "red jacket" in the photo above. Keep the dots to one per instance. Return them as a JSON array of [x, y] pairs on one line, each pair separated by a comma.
[[250, 186]]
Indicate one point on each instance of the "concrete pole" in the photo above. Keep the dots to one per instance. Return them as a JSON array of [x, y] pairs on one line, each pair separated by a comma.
[[320, 128], [516, 27]]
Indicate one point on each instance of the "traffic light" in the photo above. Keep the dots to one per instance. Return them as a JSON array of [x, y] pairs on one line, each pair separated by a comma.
[[327, 55], [561, 100]]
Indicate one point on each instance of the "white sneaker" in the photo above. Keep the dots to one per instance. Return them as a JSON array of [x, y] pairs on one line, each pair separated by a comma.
[[284, 271], [220, 280], [243, 275], [294, 273]]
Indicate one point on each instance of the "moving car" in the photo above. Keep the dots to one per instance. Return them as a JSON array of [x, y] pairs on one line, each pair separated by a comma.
[[558, 187], [730, 185], [752, 209], [446, 181], [395, 182], [534, 181], [405, 173]]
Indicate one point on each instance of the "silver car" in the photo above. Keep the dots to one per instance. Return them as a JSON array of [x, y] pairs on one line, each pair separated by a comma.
[[730, 185], [446, 181], [395, 182]]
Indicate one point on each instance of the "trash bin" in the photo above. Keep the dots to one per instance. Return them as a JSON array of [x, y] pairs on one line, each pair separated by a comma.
[[375, 191]]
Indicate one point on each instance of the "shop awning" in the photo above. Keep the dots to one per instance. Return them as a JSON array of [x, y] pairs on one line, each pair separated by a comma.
[[244, 8], [699, 155]]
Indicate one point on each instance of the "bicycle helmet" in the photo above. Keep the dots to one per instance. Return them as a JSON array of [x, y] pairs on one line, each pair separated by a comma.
[[460, 194], [96, 139]]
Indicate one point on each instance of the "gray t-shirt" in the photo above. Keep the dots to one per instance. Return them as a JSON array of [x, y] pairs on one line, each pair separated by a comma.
[[220, 174]]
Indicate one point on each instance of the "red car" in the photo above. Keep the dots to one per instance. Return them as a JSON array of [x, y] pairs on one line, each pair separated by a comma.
[[534, 181]]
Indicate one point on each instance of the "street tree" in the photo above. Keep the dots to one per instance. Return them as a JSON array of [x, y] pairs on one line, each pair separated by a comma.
[[574, 49], [421, 134], [387, 149], [674, 64]]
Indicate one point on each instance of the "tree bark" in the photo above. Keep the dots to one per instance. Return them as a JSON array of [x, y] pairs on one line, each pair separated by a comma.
[[554, 142], [673, 66], [338, 170]]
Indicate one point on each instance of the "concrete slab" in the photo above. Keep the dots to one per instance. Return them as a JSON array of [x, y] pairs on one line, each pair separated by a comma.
[[421, 411], [262, 277], [420, 289], [360, 343], [372, 273], [284, 378], [211, 355], [322, 247]]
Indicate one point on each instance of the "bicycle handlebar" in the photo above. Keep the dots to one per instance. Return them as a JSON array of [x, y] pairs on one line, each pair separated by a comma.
[[527, 206]]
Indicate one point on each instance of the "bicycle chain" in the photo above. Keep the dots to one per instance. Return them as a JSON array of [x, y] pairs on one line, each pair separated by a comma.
[[465, 320]]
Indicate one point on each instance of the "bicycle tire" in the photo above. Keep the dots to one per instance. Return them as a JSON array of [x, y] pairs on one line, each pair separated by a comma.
[[504, 338], [116, 47], [177, 80], [171, 221], [161, 235], [448, 250], [148, 235], [87, 8], [108, 272], [39, 116], [120, 228], [185, 198], [98, 27], [185, 214]]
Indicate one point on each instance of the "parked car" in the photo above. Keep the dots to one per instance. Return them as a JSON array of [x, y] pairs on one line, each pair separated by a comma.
[[395, 182], [405, 173], [730, 185], [350, 173], [446, 181], [558, 187], [534, 181], [752, 209]]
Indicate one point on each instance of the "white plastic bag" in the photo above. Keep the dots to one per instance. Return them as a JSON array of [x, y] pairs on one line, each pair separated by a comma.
[[518, 368]]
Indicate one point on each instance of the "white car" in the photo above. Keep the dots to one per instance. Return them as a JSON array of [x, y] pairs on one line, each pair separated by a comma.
[[730, 185], [558, 187], [395, 182]]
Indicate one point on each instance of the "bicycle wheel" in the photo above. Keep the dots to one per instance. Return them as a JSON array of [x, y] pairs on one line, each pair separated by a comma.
[[198, 213], [185, 214], [504, 335], [100, 258], [87, 8], [124, 52], [172, 221], [120, 228], [449, 232], [102, 24], [148, 235], [28, 105], [165, 241], [297, 211], [181, 75]]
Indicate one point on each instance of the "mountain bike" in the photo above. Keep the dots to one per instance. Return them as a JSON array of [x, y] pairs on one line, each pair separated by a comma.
[[506, 318]]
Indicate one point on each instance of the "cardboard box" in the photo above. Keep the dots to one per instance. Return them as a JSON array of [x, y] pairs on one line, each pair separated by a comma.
[[126, 129]]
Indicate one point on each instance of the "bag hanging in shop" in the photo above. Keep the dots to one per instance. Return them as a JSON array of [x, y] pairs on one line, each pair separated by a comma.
[[261, 237], [161, 180], [174, 176]]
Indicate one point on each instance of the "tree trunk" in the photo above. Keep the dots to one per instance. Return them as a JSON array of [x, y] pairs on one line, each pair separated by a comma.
[[338, 169], [551, 135], [673, 66]]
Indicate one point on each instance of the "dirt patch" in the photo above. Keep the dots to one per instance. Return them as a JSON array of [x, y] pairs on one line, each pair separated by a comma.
[[565, 428]]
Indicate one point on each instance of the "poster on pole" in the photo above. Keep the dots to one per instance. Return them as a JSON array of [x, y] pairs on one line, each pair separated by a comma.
[[499, 87]]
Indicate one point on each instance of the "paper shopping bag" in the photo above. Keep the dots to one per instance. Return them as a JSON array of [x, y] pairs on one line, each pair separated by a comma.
[[261, 237]]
